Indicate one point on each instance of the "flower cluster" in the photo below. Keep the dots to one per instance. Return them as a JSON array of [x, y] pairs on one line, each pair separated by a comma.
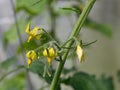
[[36, 33]]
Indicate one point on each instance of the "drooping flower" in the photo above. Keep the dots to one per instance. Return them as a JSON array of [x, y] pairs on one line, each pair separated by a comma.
[[80, 53], [50, 53], [36, 32], [31, 55]]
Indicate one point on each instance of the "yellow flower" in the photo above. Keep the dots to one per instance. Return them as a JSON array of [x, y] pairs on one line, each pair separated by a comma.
[[31, 55], [80, 53], [50, 53], [35, 33]]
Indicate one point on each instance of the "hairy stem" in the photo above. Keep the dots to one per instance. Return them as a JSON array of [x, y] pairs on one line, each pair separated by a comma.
[[74, 33]]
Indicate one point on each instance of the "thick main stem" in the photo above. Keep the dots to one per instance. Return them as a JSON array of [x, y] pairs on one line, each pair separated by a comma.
[[74, 33]]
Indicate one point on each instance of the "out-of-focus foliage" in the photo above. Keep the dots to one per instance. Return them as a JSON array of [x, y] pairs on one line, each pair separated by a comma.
[[11, 34], [85, 81], [102, 28], [28, 46], [37, 67], [118, 75], [30, 7], [9, 62], [16, 82]]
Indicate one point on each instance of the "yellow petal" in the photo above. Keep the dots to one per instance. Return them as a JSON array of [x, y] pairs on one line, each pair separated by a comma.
[[28, 54], [38, 34], [52, 53], [31, 55], [49, 61], [38, 37], [34, 31], [80, 53], [29, 38], [39, 31], [27, 30], [29, 62], [45, 53], [83, 58]]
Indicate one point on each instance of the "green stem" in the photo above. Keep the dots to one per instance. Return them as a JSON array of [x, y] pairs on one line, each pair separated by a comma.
[[74, 33]]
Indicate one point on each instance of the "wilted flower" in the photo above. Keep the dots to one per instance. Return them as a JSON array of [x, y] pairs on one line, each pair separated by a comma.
[[80, 53]]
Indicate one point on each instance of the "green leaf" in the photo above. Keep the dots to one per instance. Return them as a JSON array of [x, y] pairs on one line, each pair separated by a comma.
[[14, 83], [11, 33], [81, 81], [104, 83], [66, 71], [118, 75], [37, 67], [9, 62], [30, 7], [84, 81], [102, 28], [28, 46], [75, 8], [66, 11], [72, 9]]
